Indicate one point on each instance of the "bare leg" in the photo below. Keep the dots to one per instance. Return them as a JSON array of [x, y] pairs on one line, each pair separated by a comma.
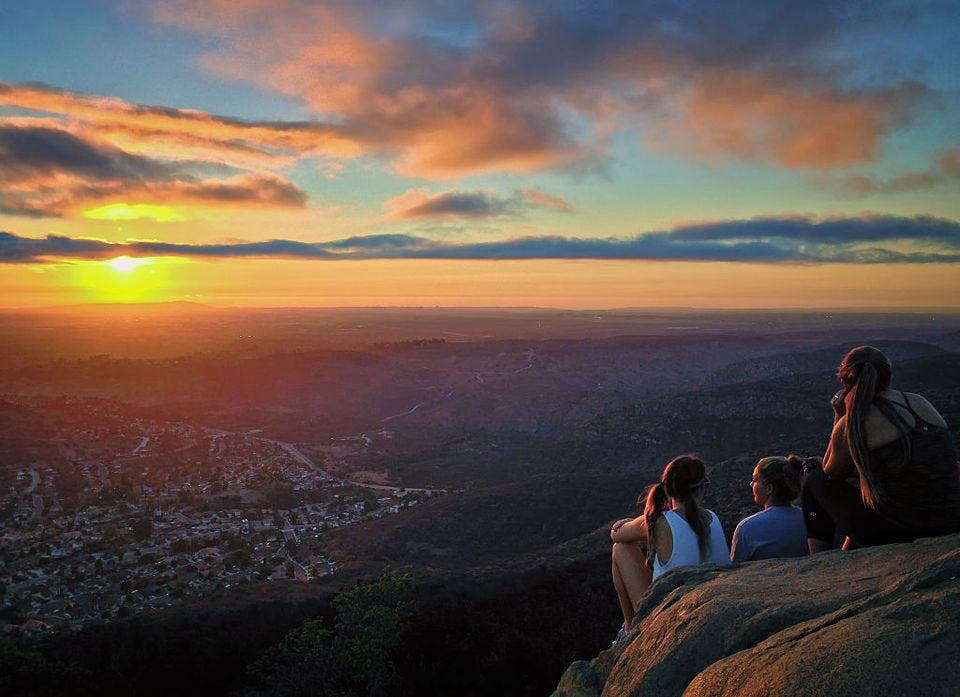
[[625, 605], [818, 545], [849, 544], [635, 575]]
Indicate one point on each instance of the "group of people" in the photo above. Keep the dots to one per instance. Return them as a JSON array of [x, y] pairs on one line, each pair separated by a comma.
[[889, 474]]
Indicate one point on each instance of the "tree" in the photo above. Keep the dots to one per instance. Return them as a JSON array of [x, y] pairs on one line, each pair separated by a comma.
[[370, 619], [356, 658]]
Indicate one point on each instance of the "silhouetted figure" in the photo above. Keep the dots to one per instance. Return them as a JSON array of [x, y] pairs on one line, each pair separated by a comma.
[[683, 533], [890, 471], [778, 530]]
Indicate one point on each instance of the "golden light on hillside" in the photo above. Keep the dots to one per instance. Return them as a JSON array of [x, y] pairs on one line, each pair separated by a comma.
[[136, 211]]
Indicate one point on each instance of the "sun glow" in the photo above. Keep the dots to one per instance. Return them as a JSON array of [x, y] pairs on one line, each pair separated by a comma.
[[127, 264], [136, 211], [126, 279]]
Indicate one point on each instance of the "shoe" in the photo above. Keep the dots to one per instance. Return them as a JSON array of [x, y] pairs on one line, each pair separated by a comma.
[[621, 635]]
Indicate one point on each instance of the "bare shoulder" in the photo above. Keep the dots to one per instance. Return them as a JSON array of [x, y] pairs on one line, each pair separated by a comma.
[[661, 532], [923, 407]]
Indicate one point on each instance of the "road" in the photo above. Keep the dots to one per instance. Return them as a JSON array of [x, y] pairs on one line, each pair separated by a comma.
[[302, 458], [477, 377]]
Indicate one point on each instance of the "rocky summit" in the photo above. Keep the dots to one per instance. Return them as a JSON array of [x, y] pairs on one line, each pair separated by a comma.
[[878, 621]]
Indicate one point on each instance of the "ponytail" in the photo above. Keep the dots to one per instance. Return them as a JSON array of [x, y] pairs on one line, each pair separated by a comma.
[[863, 392], [656, 501], [695, 518], [682, 479], [866, 372]]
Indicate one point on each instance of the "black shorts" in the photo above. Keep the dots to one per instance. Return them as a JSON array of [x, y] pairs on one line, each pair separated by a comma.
[[833, 506]]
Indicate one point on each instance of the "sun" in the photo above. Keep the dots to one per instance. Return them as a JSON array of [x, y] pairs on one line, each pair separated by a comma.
[[122, 279], [126, 264]]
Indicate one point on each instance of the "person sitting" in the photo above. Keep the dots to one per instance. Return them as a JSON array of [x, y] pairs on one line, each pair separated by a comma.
[[898, 450], [674, 530], [777, 530]]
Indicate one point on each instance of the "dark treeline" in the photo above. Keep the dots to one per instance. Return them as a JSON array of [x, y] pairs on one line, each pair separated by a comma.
[[507, 633]]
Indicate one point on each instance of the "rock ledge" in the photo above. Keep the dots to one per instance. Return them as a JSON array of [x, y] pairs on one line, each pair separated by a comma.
[[879, 621]]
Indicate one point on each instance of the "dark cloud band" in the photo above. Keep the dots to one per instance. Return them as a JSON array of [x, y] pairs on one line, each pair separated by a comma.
[[858, 240]]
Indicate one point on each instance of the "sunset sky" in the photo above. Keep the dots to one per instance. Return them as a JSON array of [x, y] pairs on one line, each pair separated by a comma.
[[564, 154]]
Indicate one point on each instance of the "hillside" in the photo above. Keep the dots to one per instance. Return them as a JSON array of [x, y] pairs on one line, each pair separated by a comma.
[[565, 488], [880, 621]]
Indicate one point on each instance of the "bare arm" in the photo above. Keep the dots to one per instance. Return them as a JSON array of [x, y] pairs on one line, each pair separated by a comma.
[[629, 530], [837, 463]]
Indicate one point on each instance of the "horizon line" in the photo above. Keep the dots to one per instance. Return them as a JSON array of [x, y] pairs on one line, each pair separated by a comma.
[[907, 309]]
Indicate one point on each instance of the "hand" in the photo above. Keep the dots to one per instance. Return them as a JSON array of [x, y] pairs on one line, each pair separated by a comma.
[[616, 526], [839, 404]]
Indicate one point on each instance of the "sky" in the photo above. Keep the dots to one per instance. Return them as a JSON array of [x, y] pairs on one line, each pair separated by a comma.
[[558, 154]]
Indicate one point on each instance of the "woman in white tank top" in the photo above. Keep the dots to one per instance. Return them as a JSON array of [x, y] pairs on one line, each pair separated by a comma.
[[683, 534]]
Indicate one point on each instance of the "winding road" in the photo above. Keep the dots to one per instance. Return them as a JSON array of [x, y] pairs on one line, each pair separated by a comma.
[[301, 457]]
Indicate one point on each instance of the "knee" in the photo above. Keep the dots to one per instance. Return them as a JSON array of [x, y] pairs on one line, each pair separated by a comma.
[[813, 482], [619, 551]]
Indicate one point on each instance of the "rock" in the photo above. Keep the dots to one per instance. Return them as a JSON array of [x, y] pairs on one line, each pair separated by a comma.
[[581, 679], [879, 621]]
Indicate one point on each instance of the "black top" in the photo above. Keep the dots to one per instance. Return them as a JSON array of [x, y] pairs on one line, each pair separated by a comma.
[[918, 489]]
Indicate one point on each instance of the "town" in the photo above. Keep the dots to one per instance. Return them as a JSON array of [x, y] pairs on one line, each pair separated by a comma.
[[112, 515]]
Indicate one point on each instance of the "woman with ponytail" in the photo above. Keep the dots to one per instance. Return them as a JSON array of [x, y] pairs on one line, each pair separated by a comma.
[[890, 470], [674, 530], [777, 530]]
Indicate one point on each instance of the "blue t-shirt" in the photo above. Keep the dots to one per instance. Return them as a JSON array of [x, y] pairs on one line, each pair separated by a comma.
[[777, 531]]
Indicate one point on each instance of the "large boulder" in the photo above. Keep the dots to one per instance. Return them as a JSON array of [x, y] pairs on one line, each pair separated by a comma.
[[879, 621]]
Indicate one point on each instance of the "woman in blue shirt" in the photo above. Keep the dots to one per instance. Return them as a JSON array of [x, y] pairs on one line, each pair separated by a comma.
[[778, 530]]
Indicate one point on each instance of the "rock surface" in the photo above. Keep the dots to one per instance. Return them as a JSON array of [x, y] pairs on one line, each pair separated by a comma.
[[879, 621]]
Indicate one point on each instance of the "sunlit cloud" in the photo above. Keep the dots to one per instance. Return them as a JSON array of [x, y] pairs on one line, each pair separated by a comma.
[[782, 121], [182, 133], [525, 86], [945, 169], [137, 211], [48, 172], [865, 240]]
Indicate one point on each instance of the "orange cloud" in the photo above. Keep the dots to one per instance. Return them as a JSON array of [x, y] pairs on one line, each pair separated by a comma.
[[544, 200], [382, 88], [183, 133], [777, 122], [48, 171], [72, 197], [946, 168], [532, 87]]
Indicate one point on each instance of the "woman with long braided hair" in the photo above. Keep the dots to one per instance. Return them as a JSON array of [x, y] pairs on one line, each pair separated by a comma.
[[675, 530], [890, 470]]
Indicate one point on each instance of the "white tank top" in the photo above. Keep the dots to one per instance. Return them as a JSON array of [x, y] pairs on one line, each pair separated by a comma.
[[686, 551]]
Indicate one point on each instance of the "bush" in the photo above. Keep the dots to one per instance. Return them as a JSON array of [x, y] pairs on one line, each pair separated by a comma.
[[355, 658]]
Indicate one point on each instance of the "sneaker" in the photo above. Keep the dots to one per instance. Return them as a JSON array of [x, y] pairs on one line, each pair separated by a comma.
[[621, 635]]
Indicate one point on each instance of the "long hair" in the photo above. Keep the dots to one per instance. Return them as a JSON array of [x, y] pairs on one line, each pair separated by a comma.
[[866, 372], [682, 479], [783, 475]]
